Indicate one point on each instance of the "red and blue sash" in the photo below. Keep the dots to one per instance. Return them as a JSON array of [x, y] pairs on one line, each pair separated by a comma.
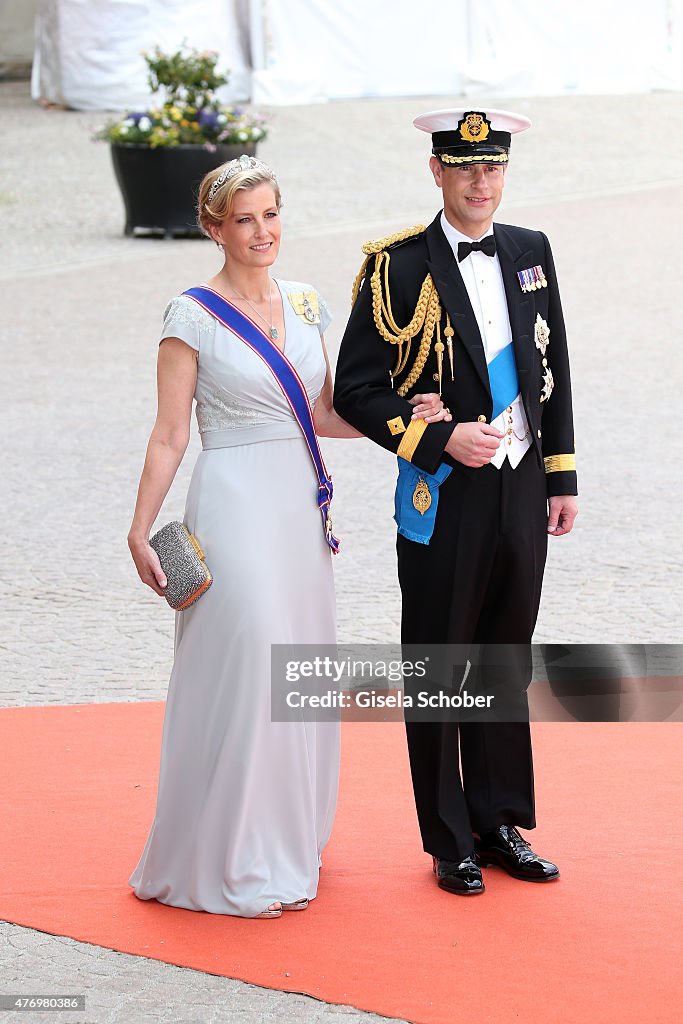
[[289, 382]]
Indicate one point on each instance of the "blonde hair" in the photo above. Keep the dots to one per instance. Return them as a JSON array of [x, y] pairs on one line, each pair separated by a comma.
[[240, 180]]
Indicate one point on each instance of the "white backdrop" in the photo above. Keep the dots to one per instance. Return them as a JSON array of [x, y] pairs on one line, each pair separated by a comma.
[[88, 52], [527, 48], [303, 51]]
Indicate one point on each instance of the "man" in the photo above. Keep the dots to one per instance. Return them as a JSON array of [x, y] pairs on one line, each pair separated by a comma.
[[477, 309]]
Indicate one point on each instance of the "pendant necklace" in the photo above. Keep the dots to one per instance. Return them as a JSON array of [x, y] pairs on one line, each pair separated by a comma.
[[272, 329]]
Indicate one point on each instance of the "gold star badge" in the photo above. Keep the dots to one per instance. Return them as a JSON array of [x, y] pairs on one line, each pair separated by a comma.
[[541, 334], [396, 426]]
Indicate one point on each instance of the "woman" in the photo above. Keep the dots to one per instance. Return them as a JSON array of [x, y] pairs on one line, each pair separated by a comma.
[[245, 805]]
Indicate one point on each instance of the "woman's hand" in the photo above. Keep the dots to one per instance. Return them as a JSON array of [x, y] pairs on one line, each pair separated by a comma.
[[147, 564], [429, 408]]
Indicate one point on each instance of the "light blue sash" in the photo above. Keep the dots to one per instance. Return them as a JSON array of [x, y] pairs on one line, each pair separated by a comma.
[[290, 384], [411, 523], [503, 380]]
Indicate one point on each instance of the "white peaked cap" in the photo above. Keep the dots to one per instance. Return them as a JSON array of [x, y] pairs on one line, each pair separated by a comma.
[[447, 120]]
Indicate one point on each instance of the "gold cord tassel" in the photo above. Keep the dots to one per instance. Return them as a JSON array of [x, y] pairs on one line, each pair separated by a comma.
[[438, 348], [449, 332], [426, 317], [432, 317]]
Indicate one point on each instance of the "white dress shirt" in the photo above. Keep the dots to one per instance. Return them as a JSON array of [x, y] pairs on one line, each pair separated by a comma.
[[483, 280]]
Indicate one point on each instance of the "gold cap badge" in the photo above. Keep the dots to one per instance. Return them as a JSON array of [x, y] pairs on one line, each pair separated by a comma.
[[474, 127]]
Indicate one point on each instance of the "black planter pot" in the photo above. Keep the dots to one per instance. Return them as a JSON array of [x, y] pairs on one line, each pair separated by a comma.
[[159, 186]]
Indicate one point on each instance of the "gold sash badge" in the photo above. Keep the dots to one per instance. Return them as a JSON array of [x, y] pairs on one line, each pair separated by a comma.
[[422, 499]]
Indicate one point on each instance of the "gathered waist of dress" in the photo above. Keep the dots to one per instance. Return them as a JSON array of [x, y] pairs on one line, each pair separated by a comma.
[[231, 437]]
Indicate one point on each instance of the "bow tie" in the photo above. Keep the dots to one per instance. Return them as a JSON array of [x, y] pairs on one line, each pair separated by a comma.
[[487, 246]]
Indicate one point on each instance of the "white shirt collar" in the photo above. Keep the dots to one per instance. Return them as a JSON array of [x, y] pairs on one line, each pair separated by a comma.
[[454, 236]]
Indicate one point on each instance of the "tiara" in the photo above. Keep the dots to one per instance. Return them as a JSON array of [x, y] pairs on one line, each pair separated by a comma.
[[243, 163]]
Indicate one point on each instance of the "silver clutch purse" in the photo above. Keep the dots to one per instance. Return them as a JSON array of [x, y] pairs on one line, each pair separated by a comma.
[[182, 559]]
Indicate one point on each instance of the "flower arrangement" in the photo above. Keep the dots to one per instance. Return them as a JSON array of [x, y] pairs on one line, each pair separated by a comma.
[[189, 113]]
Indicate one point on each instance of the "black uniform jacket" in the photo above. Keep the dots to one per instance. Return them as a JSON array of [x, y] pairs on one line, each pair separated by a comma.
[[363, 391]]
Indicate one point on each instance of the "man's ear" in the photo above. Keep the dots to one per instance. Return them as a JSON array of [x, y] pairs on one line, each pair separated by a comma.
[[436, 168]]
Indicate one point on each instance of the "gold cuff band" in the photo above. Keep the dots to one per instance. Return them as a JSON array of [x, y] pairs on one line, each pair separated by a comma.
[[559, 463], [411, 439]]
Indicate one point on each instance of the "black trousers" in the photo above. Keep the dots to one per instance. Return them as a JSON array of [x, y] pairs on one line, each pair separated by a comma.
[[478, 581]]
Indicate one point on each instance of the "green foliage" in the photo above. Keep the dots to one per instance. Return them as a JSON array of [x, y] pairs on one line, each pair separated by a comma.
[[189, 113], [186, 76]]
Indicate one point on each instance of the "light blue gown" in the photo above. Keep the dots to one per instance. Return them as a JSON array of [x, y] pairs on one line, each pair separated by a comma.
[[245, 805]]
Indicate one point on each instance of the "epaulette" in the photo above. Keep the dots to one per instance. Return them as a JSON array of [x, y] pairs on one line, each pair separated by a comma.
[[371, 248], [427, 315], [381, 245]]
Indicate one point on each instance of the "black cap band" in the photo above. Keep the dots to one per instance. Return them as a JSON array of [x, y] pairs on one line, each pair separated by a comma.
[[452, 142]]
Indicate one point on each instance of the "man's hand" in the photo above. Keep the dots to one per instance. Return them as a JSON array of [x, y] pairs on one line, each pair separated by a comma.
[[474, 444], [429, 408], [562, 511]]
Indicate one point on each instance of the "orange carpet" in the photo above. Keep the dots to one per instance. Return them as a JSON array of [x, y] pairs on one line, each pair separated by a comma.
[[601, 945]]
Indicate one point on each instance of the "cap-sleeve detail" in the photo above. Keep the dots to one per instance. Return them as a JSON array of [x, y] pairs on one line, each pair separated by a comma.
[[186, 319]]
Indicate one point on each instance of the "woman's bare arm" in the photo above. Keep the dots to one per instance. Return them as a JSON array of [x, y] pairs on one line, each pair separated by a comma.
[[329, 423], [176, 382]]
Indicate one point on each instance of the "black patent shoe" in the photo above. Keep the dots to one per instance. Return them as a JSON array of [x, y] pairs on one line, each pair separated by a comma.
[[505, 847], [463, 878]]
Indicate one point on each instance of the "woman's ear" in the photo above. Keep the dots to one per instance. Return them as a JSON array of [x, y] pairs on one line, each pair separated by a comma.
[[215, 232]]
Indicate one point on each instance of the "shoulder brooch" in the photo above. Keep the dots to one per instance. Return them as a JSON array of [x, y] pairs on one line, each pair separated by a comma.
[[305, 305]]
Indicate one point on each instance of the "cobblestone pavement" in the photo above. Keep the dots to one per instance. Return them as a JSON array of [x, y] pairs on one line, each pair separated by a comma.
[[124, 989], [82, 310]]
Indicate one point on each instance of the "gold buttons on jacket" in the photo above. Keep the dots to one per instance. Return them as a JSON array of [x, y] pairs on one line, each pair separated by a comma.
[[481, 418]]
